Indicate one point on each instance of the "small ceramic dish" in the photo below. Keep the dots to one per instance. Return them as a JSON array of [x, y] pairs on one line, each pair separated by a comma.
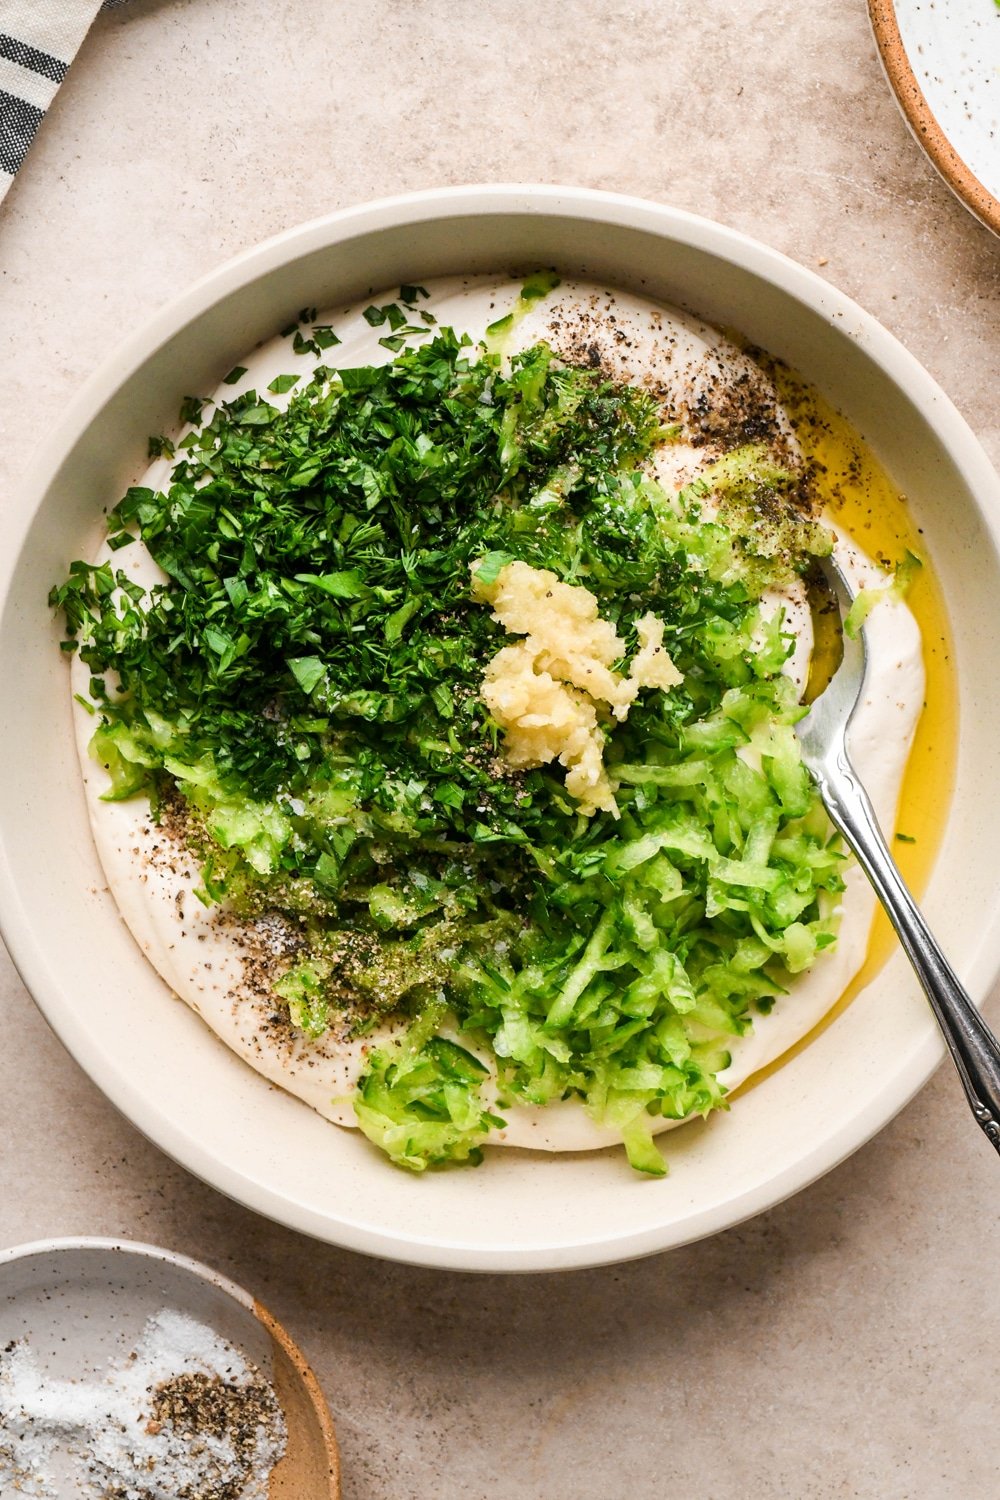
[[942, 59], [81, 1305], [155, 1059]]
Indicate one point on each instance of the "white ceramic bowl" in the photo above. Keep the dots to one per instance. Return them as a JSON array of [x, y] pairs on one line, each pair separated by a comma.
[[154, 1058]]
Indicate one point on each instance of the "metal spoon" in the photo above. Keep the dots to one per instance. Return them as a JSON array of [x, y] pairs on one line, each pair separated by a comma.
[[822, 736]]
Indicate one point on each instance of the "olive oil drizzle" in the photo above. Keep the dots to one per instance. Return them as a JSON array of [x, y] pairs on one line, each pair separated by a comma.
[[855, 491]]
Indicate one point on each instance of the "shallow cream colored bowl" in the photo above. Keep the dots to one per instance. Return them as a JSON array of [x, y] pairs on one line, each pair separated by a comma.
[[155, 1059], [81, 1304]]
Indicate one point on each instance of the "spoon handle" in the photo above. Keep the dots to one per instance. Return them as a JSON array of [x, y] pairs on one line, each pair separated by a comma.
[[973, 1046]]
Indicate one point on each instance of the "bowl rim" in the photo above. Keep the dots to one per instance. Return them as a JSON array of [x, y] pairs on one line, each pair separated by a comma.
[[802, 285], [922, 120], [117, 1246]]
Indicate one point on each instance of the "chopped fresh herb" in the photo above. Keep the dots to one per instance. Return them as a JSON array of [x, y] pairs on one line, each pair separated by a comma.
[[191, 410], [390, 313], [282, 383], [323, 337], [235, 374], [905, 838]]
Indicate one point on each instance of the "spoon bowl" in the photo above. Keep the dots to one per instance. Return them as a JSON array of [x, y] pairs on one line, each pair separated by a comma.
[[823, 736]]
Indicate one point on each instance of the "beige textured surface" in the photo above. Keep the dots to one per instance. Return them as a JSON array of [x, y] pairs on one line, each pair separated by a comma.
[[843, 1345]]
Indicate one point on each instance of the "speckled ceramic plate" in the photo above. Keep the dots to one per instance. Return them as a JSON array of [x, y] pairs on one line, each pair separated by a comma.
[[80, 1305], [942, 58]]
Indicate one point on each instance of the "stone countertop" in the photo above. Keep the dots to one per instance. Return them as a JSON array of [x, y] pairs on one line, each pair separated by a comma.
[[841, 1345]]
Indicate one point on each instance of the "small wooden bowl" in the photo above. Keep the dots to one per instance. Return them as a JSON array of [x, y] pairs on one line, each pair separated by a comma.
[[311, 1465], [82, 1302]]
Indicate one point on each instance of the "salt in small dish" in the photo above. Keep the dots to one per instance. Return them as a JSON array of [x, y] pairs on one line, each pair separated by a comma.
[[74, 1315]]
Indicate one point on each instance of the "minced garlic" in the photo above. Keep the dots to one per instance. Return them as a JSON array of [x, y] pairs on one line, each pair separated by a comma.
[[546, 692]]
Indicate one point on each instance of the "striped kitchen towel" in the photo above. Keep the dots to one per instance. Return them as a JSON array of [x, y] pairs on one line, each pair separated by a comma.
[[38, 41]]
